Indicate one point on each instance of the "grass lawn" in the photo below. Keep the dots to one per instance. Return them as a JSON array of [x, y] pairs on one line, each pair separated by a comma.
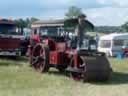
[[18, 79], [94, 33]]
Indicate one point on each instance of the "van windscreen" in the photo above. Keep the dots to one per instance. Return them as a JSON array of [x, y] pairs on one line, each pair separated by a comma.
[[105, 44], [9, 29]]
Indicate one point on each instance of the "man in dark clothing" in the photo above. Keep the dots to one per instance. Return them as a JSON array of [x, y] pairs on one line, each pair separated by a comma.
[[80, 30]]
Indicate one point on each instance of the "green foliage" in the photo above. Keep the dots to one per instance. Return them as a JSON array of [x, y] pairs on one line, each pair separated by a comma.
[[20, 23], [30, 21], [24, 23], [125, 26], [73, 23], [108, 29], [73, 12]]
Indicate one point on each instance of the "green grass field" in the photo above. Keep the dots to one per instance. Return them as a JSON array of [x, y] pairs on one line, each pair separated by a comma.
[[18, 79]]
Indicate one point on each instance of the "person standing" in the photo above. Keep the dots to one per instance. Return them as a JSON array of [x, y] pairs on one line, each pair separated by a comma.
[[97, 39], [80, 30]]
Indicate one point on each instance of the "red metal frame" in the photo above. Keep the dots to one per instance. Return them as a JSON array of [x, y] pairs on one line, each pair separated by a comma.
[[9, 43], [58, 54]]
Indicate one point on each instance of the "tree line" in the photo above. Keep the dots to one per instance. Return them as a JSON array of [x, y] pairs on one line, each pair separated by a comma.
[[109, 29], [24, 23]]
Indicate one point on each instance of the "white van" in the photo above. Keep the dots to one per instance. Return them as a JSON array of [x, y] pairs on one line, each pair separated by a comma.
[[112, 44]]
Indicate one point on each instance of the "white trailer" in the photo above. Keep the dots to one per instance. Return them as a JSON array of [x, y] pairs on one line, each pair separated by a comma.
[[112, 44]]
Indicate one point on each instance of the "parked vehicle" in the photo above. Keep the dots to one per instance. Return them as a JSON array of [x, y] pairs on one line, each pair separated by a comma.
[[25, 38], [9, 40], [49, 49], [112, 44]]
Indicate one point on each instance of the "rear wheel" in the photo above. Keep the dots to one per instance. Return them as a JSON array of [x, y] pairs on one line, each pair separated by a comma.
[[40, 58]]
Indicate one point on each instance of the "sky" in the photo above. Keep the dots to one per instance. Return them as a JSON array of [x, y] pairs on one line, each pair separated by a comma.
[[99, 12]]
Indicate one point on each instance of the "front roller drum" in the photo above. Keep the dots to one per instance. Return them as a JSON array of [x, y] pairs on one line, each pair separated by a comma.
[[90, 68], [97, 68]]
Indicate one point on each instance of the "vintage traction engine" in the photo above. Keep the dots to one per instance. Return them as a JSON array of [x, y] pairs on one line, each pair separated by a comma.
[[48, 50]]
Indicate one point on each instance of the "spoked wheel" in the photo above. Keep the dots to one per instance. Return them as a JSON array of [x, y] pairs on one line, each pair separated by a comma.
[[80, 66], [30, 51], [40, 58]]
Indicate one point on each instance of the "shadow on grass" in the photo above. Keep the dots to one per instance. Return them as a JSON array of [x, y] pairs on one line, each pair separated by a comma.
[[10, 64], [12, 61], [117, 78], [57, 73]]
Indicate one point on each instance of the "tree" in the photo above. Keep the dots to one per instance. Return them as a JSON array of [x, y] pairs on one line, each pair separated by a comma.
[[125, 26], [73, 23], [24, 23], [30, 21], [73, 12], [21, 24]]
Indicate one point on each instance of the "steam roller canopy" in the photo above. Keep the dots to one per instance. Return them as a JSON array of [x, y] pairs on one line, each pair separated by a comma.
[[97, 68]]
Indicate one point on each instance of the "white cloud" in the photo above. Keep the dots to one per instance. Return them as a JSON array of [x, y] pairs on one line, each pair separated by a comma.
[[55, 3], [100, 12], [101, 1], [123, 3], [113, 16], [53, 14], [114, 3], [67, 3], [113, 12], [108, 16]]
